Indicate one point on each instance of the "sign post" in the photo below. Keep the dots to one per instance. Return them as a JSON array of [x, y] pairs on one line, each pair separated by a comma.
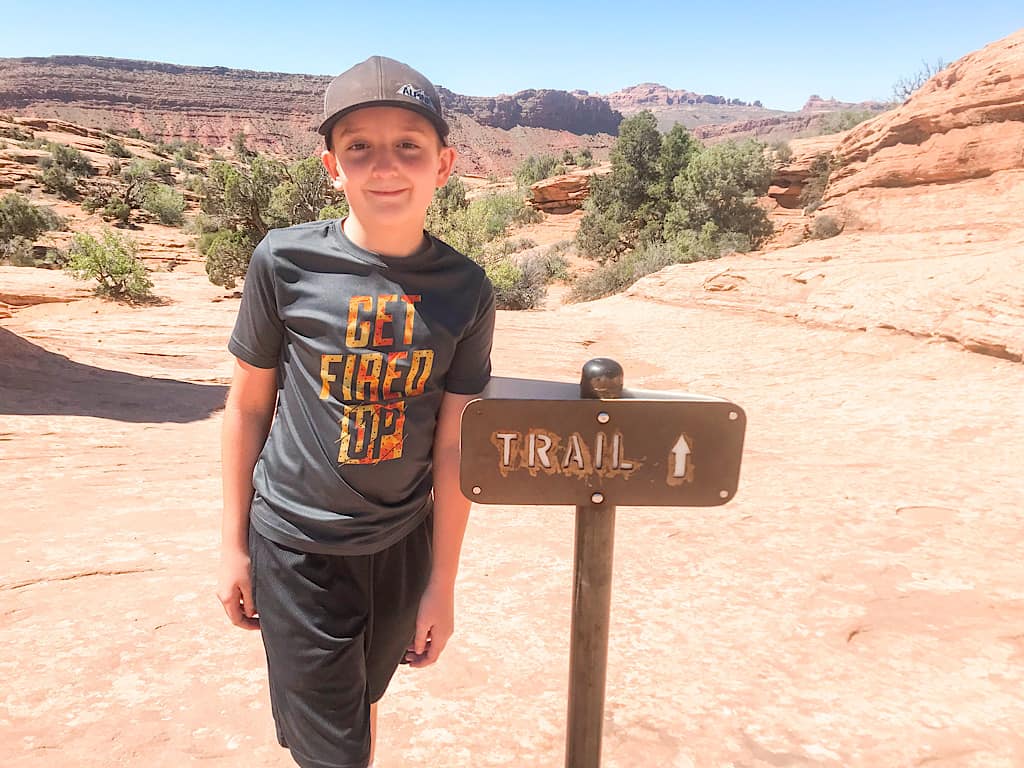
[[596, 446], [591, 597]]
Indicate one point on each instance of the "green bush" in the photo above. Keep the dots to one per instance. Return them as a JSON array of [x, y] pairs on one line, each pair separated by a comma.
[[117, 210], [783, 152], [17, 252], [166, 202], [20, 218], [115, 148], [516, 286], [616, 276], [58, 181], [227, 257], [537, 167], [70, 159], [817, 181], [585, 158], [836, 122], [824, 227], [468, 229], [549, 262], [112, 262], [337, 211], [135, 133], [507, 246]]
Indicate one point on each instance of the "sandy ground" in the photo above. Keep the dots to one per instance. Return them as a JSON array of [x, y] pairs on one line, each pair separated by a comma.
[[860, 603]]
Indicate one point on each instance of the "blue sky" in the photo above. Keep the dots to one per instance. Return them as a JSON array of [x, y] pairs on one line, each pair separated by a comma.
[[745, 50]]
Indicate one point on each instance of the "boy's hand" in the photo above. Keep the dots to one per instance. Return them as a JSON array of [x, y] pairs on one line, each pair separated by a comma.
[[435, 623], [234, 590]]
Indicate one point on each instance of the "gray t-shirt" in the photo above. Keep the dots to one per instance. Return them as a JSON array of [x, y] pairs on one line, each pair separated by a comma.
[[365, 347]]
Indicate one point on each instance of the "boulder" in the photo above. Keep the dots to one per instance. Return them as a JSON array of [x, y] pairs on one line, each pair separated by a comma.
[[565, 193]]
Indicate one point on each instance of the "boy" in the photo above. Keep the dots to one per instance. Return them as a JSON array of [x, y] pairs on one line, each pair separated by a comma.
[[343, 521]]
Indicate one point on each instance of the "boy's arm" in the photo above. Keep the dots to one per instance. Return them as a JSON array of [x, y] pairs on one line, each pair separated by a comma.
[[248, 414], [435, 622]]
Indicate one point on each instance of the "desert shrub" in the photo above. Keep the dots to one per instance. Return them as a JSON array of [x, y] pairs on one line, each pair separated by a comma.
[[817, 181], [537, 167], [17, 252], [448, 201], [836, 122], [117, 210], [62, 169], [114, 168], [824, 227], [516, 286], [20, 218], [782, 151], [616, 276], [58, 181], [241, 194], [135, 133], [507, 246], [470, 228], [115, 148], [550, 263], [166, 202], [300, 194], [94, 202], [907, 86], [112, 262], [338, 210], [227, 257], [70, 159], [14, 133], [585, 158], [720, 186], [201, 224]]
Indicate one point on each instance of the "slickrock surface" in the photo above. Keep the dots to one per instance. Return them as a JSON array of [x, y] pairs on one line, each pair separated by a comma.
[[858, 604]]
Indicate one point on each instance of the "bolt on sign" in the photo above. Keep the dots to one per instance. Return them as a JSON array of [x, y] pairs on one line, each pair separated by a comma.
[[530, 442]]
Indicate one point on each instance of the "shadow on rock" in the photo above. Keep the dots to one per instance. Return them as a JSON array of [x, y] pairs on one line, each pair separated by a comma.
[[36, 382]]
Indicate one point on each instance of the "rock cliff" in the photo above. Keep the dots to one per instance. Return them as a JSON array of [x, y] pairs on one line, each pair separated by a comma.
[[209, 104]]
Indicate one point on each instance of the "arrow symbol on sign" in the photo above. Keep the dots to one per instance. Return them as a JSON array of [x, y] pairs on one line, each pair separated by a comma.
[[679, 453]]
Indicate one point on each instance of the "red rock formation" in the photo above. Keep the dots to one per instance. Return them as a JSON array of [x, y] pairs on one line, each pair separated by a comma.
[[565, 193], [278, 112], [967, 122]]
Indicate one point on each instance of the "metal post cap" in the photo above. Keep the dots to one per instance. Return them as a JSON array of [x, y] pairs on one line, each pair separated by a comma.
[[602, 378]]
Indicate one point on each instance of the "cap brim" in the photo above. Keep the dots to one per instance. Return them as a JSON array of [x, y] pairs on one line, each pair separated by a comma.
[[439, 123]]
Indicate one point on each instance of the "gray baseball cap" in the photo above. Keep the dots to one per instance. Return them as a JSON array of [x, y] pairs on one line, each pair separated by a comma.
[[381, 82]]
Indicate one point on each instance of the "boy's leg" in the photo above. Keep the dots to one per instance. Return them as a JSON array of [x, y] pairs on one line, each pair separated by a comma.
[[373, 731], [313, 611]]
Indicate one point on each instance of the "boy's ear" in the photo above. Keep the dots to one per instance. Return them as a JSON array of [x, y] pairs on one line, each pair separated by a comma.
[[446, 164], [331, 164]]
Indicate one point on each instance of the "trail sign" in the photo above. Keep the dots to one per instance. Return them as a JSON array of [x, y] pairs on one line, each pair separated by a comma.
[[645, 449], [597, 445]]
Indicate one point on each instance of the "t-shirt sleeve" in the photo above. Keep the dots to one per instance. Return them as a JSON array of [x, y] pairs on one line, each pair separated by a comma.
[[256, 338], [471, 366]]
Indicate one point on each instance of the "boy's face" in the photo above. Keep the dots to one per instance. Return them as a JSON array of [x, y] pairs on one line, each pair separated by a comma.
[[389, 161]]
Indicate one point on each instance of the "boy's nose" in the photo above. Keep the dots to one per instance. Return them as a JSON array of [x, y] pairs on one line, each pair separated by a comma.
[[384, 162]]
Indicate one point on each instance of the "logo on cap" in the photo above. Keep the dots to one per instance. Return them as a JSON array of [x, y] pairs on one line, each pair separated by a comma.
[[420, 95]]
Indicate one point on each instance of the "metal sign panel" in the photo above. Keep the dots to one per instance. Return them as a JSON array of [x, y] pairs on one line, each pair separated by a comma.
[[681, 452]]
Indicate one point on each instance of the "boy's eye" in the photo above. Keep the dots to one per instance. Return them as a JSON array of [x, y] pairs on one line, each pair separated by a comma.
[[409, 145], [357, 145]]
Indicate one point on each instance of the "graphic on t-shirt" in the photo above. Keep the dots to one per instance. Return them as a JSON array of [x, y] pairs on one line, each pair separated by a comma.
[[374, 376]]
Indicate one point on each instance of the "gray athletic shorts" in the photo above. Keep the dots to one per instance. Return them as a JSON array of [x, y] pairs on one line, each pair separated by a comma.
[[335, 629]]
